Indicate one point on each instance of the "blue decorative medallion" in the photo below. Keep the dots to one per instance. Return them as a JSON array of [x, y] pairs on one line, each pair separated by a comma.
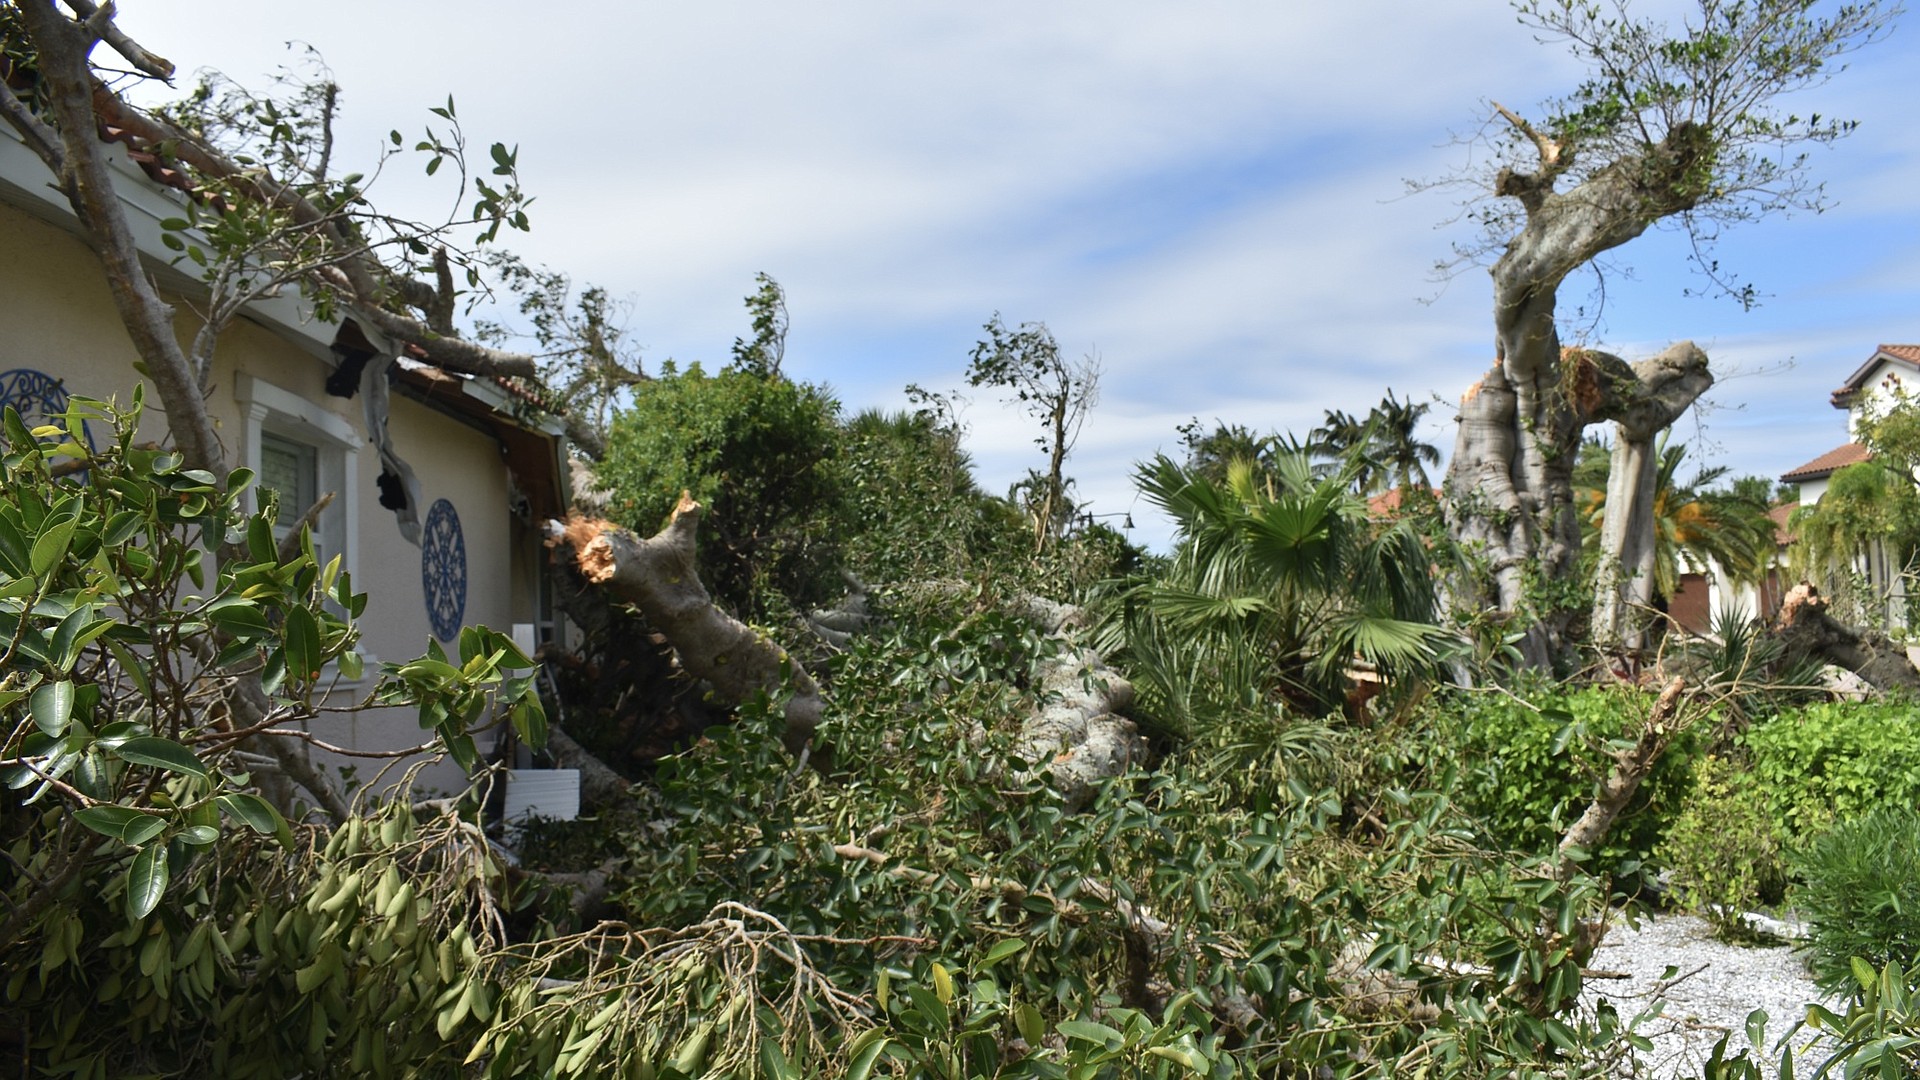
[[443, 570], [38, 398]]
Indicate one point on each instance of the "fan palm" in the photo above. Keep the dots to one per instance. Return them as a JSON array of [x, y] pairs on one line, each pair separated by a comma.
[[1280, 569]]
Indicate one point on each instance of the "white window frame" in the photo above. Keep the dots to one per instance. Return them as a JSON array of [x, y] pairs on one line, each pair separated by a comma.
[[266, 408]]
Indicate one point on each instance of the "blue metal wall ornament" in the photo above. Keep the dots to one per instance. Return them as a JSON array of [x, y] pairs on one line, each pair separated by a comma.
[[38, 398], [443, 570]]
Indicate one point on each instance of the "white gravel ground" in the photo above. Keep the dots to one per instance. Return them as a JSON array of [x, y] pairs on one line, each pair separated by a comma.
[[1711, 993]]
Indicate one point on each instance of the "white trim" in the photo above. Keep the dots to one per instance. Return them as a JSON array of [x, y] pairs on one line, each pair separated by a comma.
[[266, 407]]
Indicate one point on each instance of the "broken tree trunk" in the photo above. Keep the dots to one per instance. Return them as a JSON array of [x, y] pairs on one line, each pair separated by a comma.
[[1806, 628], [1631, 766], [1646, 399], [658, 576], [1077, 733]]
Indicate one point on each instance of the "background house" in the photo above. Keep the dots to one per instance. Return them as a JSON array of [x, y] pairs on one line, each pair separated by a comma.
[[440, 479]]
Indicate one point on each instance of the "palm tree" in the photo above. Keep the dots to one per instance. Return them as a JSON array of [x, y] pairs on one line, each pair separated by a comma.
[[1399, 453], [1384, 445], [1347, 441], [1282, 579]]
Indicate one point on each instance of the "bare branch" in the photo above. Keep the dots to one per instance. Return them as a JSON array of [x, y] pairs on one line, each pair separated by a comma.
[[1549, 149], [99, 22]]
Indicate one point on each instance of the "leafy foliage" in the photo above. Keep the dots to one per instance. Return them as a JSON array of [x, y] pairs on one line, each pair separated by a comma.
[[1722, 849], [1834, 761], [1530, 768], [761, 454], [1281, 578], [1860, 889], [145, 874]]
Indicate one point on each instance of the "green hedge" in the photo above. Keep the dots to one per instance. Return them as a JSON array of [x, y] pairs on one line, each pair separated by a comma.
[[1834, 762], [1528, 769]]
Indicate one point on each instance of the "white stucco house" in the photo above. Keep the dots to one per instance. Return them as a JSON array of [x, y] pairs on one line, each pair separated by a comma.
[[1889, 376], [440, 480]]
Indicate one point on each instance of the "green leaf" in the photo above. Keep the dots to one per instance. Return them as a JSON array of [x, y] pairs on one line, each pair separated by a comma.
[[123, 823], [146, 881], [52, 707], [303, 645], [162, 754], [1002, 950], [199, 835], [122, 527], [252, 811], [51, 547], [1092, 1032], [866, 1050]]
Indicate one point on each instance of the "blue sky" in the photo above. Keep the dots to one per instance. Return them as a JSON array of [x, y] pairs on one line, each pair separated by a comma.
[[1209, 195]]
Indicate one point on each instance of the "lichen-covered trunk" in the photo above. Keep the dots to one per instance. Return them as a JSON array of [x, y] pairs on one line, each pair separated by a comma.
[[1510, 506], [1623, 578], [1509, 499]]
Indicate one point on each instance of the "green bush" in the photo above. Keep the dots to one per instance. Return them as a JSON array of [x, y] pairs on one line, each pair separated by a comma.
[[760, 453], [1835, 762], [1861, 894], [1529, 770], [1723, 850]]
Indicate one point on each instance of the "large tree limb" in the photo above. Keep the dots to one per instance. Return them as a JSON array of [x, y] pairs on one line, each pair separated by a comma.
[[99, 20], [358, 273], [1631, 766], [658, 576], [1807, 629], [1642, 401], [87, 181]]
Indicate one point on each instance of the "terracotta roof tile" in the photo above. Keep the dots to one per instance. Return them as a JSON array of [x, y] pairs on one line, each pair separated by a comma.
[[1387, 503], [1780, 514], [1827, 463], [1906, 354]]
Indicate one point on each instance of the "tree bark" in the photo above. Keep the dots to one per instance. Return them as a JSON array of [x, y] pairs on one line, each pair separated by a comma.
[[1509, 491], [1806, 628], [658, 576], [1630, 766], [1645, 401]]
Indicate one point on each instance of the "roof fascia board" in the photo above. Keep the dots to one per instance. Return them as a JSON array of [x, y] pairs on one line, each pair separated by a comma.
[[24, 182]]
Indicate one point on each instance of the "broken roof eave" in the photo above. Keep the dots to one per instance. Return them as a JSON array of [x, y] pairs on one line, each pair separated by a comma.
[[25, 183], [535, 452]]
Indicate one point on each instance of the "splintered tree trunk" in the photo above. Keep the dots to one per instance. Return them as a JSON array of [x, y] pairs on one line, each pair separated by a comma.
[[1807, 628], [1645, 403], [658, 576]]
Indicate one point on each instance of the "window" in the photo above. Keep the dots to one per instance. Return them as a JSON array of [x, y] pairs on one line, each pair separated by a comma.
[[292, 470], [302, 450]]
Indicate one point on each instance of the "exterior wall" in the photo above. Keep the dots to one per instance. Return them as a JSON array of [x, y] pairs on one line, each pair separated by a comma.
[[57, 317]]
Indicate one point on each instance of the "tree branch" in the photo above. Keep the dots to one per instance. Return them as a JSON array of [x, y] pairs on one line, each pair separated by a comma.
[[99, 21], [1551, 161], [41, 139], [658, 576]]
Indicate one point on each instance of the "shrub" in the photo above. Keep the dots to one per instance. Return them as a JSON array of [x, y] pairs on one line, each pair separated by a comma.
[[760, 453], [1528, 770], [1835, 762], [1722, 849], [1861, 892]]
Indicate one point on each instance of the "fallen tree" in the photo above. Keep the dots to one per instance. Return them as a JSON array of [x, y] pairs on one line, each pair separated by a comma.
[[658, 576], [1807, 628]]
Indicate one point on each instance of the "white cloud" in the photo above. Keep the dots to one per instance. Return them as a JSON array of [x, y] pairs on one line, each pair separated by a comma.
[[1206, 193]]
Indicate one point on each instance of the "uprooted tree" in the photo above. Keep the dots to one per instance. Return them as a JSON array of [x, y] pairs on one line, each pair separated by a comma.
[[1688, 127]]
